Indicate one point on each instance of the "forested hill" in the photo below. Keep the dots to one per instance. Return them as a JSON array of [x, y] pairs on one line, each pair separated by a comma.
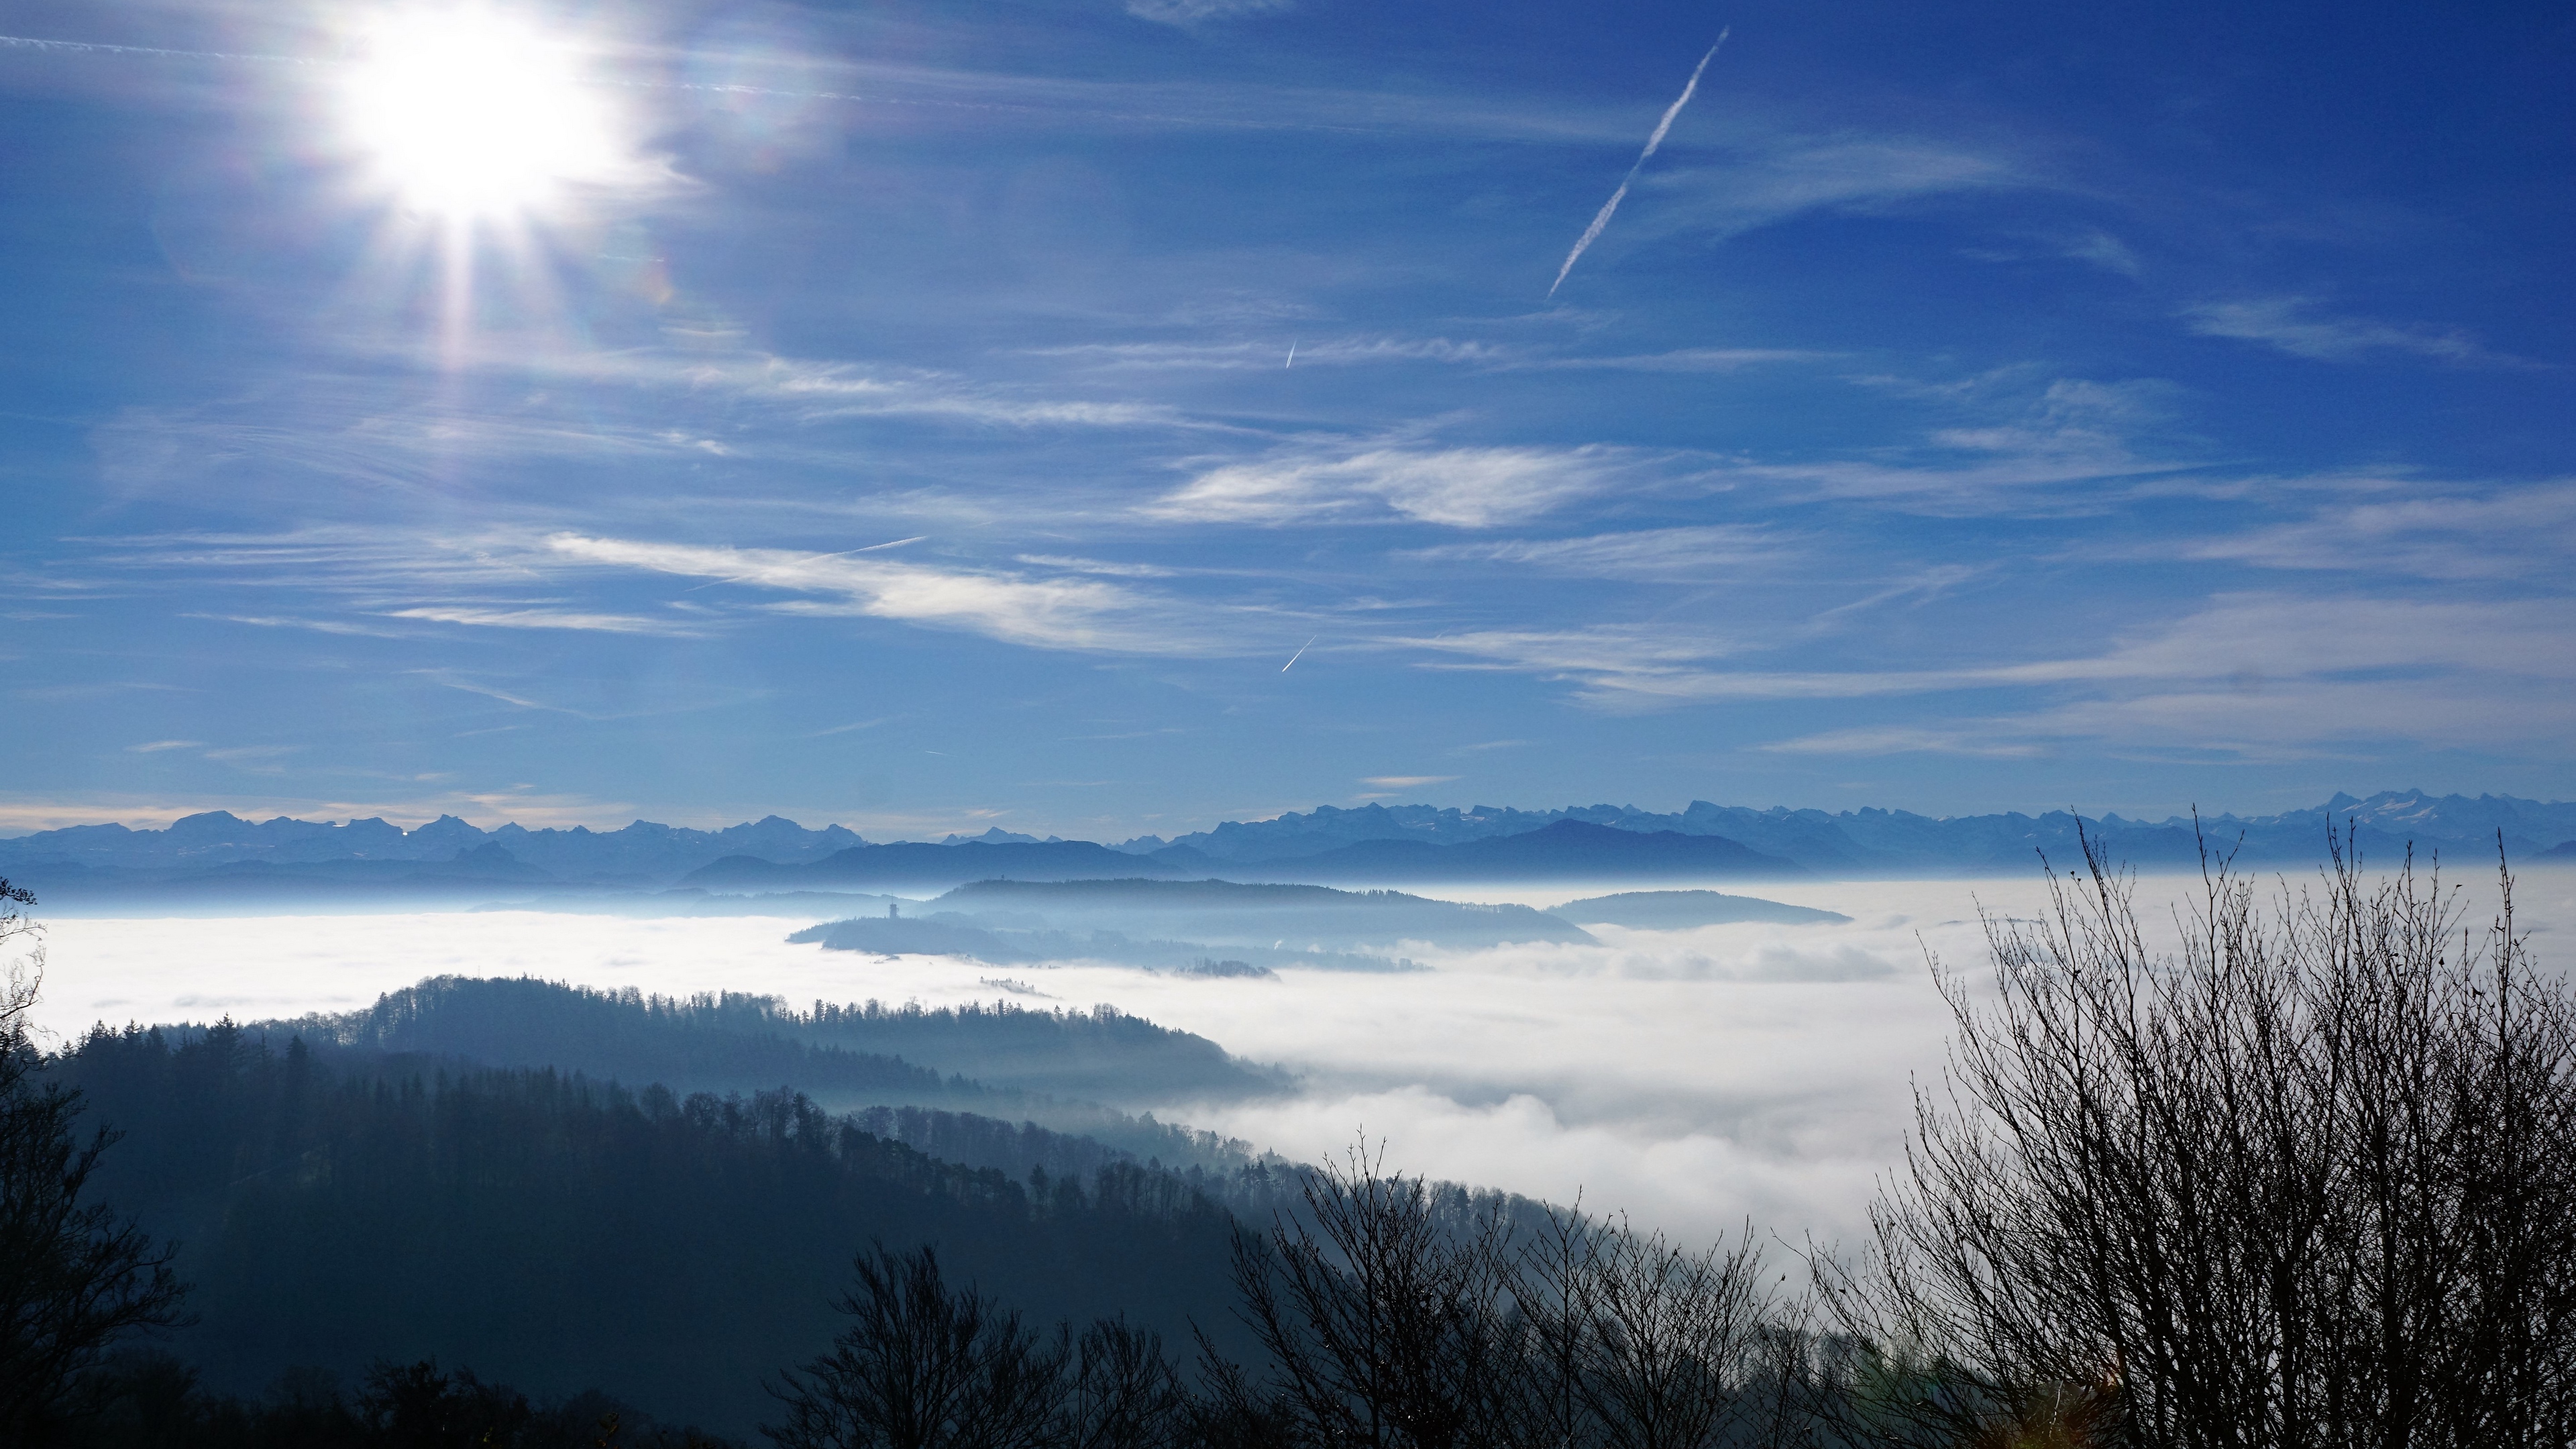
[[1056, 1067], [339, 1206]]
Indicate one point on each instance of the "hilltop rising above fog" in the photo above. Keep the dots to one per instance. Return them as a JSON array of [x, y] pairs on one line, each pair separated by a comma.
[[220, 857]]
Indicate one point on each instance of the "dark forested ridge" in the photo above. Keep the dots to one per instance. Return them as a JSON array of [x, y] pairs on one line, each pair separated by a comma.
[[1057, 1066], [337, 1206]]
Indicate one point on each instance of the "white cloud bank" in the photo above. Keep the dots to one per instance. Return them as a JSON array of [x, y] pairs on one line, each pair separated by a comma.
[[1691, 1078]]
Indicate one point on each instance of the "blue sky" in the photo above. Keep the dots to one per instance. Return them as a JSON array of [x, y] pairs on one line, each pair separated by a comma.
[[883, 413]]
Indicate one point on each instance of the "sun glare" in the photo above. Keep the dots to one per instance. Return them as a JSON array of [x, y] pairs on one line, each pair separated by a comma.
[[468, 112]]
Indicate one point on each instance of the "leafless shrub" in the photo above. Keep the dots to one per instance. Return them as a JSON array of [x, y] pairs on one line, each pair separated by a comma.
[[1391, 1323], [923, 1367], [2313, 1182]]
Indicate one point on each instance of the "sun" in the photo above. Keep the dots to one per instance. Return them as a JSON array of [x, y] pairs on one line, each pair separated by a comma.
[[464, 111]]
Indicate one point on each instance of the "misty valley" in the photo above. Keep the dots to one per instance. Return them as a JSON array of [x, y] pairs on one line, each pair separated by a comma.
[[1156, 1157]]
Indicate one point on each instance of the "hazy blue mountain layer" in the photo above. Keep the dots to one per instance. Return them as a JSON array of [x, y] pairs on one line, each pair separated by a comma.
[[639, 853], [1872, 841], [918, 866], [1562, 850], [1239, 914], [949, 933], [1681, 910], [1185, 926], [216, 861]]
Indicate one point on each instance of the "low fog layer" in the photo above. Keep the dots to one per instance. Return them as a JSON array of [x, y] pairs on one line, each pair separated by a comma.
[[1691, 1077]]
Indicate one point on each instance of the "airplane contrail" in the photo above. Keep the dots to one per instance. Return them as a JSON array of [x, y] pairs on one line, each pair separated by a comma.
[[1300, 654], [1593, 232], [1292, 354]]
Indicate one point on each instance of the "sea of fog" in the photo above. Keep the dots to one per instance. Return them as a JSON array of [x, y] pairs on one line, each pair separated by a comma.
[[1693, 1079]]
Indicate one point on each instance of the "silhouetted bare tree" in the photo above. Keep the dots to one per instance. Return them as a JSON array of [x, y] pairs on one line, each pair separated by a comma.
[[73, 1278], [924, 1367], [1404, 1320], [1669, 1338], [1123, 1393], [2310, 1182], [1389, 1324]]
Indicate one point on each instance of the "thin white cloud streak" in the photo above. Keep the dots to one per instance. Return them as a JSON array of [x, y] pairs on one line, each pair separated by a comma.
[[1599, 656], [1048, 613], [1783, 178], [1684, 359], [2249, 674], [318, 626], [1197, 12], [818, 390], [1264, 356], [2290, 324], [1379, 351], [1664, 555], [1995, 743], [545, 619], [1073, 565], [1458, 487], [2437, 531], [1601, 222]]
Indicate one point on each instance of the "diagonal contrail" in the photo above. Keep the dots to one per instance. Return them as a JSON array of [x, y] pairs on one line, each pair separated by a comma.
[[1300, 654], [1593, 232]]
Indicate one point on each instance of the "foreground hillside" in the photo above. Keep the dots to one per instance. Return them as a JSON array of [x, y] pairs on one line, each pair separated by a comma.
[[336, 1207]]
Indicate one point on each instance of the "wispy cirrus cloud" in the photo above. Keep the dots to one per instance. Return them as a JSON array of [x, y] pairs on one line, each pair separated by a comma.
[[540, 618], [288, 621], [2427, 530], [2297, 326], [1199, 12], [1970, 741], [2247, 675], [1268, 356], [1371, 351], [1662, 555], [1462, 487], [1758, 181], [1047, 612]]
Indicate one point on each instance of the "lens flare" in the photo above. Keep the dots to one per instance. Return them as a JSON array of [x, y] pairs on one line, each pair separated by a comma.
[[466, 112]]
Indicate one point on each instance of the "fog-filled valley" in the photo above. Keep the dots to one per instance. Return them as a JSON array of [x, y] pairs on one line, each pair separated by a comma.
[[571, 1148], [1689, 1076]]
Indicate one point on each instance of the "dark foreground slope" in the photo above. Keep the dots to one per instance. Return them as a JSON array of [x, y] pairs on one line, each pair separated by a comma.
[[337, 1207]]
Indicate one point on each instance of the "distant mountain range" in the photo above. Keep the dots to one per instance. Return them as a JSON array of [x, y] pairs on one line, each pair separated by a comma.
[[1885, 842], [217, 860]]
